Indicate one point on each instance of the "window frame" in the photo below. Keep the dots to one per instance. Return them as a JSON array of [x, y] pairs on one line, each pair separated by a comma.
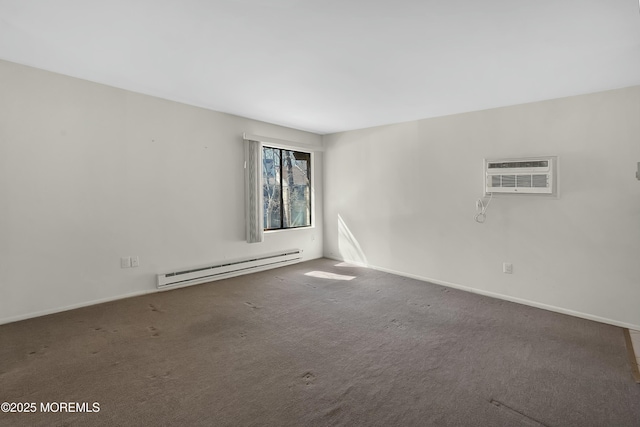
[[310, 169]]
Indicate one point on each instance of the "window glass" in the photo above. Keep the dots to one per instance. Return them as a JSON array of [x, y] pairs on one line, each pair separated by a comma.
[[287, 188]]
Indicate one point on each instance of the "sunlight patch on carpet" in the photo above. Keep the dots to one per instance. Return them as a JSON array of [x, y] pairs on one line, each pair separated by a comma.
[[327, 275]]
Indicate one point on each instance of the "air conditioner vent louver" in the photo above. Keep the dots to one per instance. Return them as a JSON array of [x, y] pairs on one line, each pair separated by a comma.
[[508, 181], [540, 181], [519, 164], [521, 176]]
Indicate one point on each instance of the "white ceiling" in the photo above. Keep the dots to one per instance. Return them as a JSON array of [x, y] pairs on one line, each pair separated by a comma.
[[333, 65]]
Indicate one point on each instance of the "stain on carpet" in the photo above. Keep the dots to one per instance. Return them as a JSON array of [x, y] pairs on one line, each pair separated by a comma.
[[252, 306], [398, 324], [308, 378]]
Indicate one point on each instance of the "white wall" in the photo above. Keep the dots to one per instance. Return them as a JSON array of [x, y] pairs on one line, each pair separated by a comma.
[[90, 173], [402, 198]]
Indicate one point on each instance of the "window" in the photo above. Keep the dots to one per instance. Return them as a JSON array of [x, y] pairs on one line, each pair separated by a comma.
[[286, 177]]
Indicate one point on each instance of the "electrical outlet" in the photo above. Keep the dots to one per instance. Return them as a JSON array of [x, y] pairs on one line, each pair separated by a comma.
[[125, 262], [135, 261], [507, 268]]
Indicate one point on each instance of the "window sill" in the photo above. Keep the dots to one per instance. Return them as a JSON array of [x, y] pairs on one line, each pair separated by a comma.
[[289, 229]]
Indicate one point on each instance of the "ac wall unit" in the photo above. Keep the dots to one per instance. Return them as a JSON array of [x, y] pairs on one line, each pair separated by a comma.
[[533, 175]]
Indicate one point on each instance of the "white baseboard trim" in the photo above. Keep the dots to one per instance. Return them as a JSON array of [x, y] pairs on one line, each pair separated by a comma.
[[73, 306], [498, 296]]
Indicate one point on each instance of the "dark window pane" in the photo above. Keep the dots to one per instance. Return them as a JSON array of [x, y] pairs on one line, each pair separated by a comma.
[[271, 185], [296, 189]]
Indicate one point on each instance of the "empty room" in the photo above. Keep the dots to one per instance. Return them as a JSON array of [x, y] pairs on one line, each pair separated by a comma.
[[320, 213]]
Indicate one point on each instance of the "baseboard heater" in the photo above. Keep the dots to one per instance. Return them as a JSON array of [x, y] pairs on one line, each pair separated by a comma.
[[228, 269]]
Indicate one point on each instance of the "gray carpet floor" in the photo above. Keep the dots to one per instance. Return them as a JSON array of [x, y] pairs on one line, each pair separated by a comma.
[[284, 348]]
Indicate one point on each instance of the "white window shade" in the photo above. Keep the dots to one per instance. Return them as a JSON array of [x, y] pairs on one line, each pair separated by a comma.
[[253, 191]]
